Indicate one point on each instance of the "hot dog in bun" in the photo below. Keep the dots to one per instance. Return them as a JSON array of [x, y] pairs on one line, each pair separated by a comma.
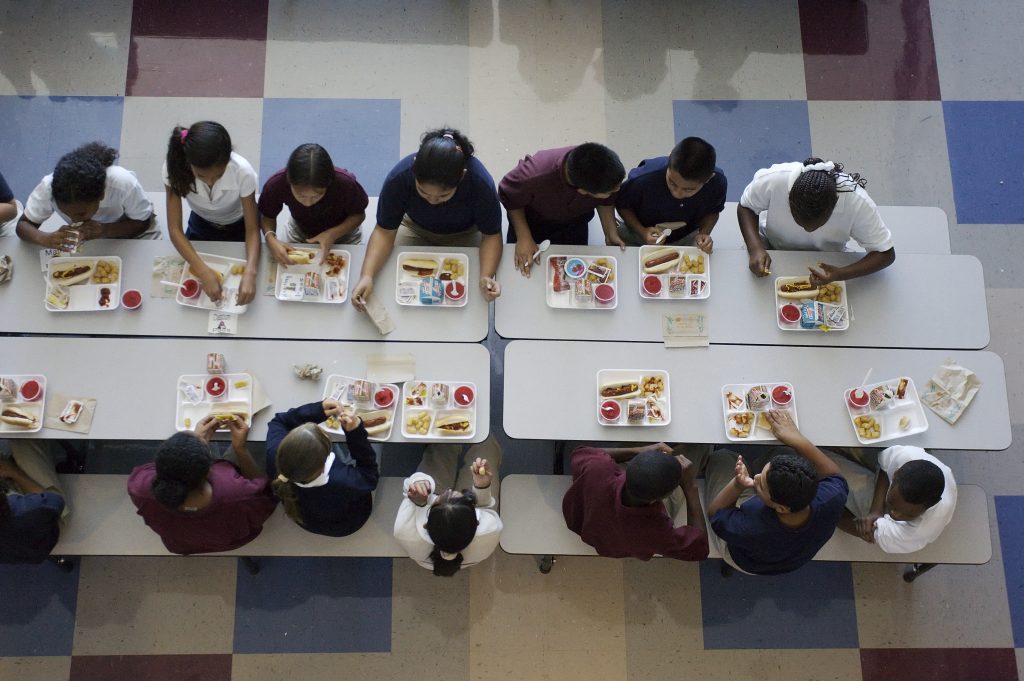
[[620, 390], [798, 289], [662, 260], [454, 424], [72, 273], [301, 256], [419, 267], [376, 422], [18, 417]]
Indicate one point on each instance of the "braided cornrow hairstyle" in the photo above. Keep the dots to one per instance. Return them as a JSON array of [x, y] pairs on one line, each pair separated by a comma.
[[815, 192]]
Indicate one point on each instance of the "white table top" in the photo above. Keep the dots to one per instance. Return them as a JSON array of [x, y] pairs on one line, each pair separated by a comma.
[[921, 301], [134, 379], [21, 301], [551, 390]]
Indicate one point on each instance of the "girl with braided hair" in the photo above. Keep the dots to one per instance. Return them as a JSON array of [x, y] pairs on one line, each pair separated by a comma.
[[813, 206]]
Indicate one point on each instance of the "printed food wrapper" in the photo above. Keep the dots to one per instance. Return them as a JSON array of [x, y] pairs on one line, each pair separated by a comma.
[[950, 390], [55, 405], [166, 268], [6, 269]]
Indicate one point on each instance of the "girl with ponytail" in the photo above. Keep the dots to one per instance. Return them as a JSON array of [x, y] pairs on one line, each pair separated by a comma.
[[445, 530], [813, 206], [220, 188], [321, 488]]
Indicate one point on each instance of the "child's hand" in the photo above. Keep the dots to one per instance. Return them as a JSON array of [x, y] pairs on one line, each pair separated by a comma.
[[659, 447], [823, 274], [760, 263], [481, 475], [704, 242], [361, 293], [349, 421], [743, 479], [206, 427], [783, 426], [419, 492], [331, 407]]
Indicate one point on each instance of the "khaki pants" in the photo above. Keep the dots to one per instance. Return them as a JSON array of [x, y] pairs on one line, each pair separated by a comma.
[[297, 236], [675, 503], [441, 462], [411, 234], [37, 460], [860, 479], [720, 472]]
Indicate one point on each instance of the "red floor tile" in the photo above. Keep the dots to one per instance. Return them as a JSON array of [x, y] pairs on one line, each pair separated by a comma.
[[931, 664], [151, 667], [882, 50], [238, 19]]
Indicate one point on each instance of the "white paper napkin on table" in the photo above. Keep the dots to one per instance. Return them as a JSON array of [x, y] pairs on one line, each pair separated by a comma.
[[950, 390], [55, 405], [397, 368]]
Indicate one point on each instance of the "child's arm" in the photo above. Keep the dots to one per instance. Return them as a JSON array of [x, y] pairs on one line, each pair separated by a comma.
[[611, 230], [872, 262], [490, 256], [703, 239], [247, 291], [327, 237], [730, 494], [629, 217], [760, 261], [786, 431], [526, 247], [208, 279], [382, 242]]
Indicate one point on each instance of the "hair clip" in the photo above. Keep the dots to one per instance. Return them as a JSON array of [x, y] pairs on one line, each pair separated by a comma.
[[448, 135], [184, 134], [827, 166]]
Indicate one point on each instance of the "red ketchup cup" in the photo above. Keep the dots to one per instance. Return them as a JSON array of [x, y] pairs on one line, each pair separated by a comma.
[[610, 410], [216, 387], [131, 299], [455, 290], [31, 390], [782, 396], [464, 396], [190, 288], [652, 285], [789, 313], [384, 397], [858, 398], [604, 293]]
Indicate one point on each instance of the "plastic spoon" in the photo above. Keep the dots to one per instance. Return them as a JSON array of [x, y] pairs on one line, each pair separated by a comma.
[[172, 283], [541, 247], [867, 377], [664, 235]]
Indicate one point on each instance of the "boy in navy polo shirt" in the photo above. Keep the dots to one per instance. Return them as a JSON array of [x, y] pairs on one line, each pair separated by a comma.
[[684, 188], [789, 510]]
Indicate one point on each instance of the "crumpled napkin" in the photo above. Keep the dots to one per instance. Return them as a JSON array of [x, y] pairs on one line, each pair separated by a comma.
[[6, 269], [950, 390]]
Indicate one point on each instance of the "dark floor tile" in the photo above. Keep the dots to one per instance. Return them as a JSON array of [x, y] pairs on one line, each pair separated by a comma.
[[151, 668], [932, 664], [37, 610], [238, 19], [1010, 517]]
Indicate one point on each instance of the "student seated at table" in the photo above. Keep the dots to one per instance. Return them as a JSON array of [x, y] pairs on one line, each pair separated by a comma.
[[440, 196], [813, 206], [323, 489], [327, 203], [552, 194], [196, 502], [97, 200], [220, 187], [633, 511], [776, 521], [31, 507], [684, 188], [8, 207], [902, 507], [449, 517]]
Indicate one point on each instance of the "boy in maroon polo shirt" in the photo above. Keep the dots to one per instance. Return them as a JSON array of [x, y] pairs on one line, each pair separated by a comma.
[[552, 195], [619, 510]]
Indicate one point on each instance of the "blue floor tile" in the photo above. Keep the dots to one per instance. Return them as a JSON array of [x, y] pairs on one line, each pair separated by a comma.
[[314, 605], [986, 145], [37, 610], [812, 607], [39, 130], [1010, 516], [361, 135], [748, 135]]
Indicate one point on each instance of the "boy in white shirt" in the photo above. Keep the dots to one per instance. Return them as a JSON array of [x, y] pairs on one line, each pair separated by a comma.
[[812, 206]]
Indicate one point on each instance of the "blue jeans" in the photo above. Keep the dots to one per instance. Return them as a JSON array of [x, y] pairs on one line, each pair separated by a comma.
[[201, 229]]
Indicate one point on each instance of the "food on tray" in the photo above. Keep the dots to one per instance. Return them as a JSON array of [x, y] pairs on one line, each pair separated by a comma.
[[834, 315], [604, 293], [762, 421], [107, 272], [464, 396], [190, 288], [830, 293], [653, 385], [734, 400], [810, 315], [558, 278], [692, 265], [635, 410], [417, 395], [858, 398], [71, 273], [575, 267], [430, 290], [654, 410], [225, 415], [584, 290], [742, 424], [867, 427], [31, 390], [131, 299], [439, 393], [758, 398], [193, 393], [188, 422], [300, 256], [384, 397], [790, 313], [677, 284], [455, 290], [782, 395], [72, 410], [333, 422], [611, 410], [335, 264], [798, 289], [238, 385], [376, 422], [652, 285], [58, 296], [311, 284], [451, 269], [662, 260], [215, 363], [20, 418], [598, 274], [407, 293], [606, 262], [419, 267], [8, 389], [104, 300], [360, 390], [620, 390], [216, 386], [881, 397], [454, 424], [237, 268], [418, 424], [696, 285], [901, 388], [904, 422]]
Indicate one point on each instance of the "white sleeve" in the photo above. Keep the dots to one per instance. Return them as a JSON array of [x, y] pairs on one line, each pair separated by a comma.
[[894, 536], [248, 180], [757, 194], [868, 229], [39, 205], [137, 205], [487, 537]]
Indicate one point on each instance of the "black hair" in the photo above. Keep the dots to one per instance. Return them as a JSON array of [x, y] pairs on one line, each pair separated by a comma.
[[442, 157], [81, 175], [920, 482], [694, 159], [815, 192], [594, 168], [310, 166], [205, 144], [792, 481], [451, 526], [651, 476], [182, 463]]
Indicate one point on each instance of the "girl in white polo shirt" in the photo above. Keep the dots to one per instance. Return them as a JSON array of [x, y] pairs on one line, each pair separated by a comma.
[[220, 187], [813, 206]]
